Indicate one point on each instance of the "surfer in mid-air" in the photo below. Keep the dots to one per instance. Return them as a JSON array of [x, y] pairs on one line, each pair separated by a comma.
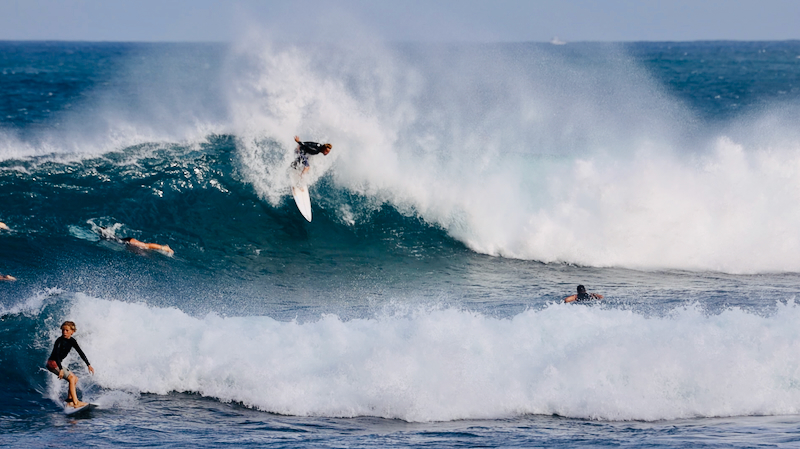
[[61, 348], [305, 149], [582, 296]]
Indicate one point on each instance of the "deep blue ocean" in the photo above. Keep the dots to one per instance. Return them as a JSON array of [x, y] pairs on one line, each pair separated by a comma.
[[471, 188]]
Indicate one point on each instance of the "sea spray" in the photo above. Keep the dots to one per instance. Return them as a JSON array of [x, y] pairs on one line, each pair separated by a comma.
[[448, 364]]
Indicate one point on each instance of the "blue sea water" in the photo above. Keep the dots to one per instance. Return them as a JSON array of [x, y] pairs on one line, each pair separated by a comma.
[[469, 190]]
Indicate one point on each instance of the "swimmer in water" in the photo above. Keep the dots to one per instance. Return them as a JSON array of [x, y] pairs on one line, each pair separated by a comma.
[[582, 296]]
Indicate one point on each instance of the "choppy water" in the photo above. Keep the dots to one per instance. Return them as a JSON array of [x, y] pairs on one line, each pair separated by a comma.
[[470, 189]]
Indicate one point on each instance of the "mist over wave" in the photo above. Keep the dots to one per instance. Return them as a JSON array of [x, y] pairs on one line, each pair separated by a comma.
[[470, 189], [79, 100], [433, 364], [531, 154], [573, 154]]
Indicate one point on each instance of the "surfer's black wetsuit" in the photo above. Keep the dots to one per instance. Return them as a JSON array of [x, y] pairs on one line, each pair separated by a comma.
[[304, 149], [62, 347], [583, 295]]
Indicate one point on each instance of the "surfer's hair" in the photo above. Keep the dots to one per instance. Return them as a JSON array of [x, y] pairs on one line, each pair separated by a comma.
[[70, 325], [328, 146], [581, 289]]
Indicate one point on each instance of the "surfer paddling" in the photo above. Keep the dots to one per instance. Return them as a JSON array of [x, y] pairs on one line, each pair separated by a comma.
[[305, 149], [582, 296], [61, 348], [7, 277], [108, 234], [138, 244]]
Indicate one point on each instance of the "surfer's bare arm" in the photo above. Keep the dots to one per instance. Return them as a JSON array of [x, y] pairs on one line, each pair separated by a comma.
[[570, 298], [596, 296]]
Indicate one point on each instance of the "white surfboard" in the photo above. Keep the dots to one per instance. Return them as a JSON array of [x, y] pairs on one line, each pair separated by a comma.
[[70, 410], [303, 201]]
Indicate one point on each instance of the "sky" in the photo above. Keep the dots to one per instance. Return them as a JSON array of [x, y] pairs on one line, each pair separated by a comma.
[[400, 20]]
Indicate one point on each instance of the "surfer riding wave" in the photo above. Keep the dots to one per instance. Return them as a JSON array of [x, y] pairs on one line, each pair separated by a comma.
[[305, 149]]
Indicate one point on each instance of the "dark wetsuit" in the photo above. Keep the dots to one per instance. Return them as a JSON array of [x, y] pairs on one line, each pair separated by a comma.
[[304, 149], [60, 350], [584, 297]]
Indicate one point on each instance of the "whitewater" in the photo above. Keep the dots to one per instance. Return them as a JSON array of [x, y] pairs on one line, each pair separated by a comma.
[[470, 189]]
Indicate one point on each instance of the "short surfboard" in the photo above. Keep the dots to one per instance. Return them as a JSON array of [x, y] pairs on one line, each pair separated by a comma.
[[303, 200], [69, 410]]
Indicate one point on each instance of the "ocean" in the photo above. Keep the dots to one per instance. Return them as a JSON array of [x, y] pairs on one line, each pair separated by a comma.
[[470, 189]]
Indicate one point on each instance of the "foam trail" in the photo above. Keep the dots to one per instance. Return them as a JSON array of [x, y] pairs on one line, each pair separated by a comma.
[[434, 365]]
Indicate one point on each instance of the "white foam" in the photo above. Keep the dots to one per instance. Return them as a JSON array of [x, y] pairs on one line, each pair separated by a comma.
[[33, 304], [584, 162], [448, 364], [525, 155]]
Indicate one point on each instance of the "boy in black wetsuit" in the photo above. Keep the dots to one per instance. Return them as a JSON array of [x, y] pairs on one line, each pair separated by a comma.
[[304, 149], [582, 295], [61, 348]]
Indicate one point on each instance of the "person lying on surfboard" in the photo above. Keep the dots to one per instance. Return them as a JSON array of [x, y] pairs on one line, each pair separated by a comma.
[[139, 244], [305, 149], [108, 234], [61, 348], [7, 277], [582, 295]]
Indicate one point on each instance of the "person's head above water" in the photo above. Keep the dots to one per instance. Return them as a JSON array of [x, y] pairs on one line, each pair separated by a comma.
[[328, 147], [581, 289]]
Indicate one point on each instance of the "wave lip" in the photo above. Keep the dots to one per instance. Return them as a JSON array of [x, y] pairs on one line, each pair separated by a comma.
[[583, 154]]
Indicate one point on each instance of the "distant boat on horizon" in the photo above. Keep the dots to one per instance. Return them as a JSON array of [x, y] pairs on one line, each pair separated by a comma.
[[556, 41]]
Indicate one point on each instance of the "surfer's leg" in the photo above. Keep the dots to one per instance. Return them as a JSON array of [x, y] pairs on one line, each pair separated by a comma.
[[165, 248], [73, 394]]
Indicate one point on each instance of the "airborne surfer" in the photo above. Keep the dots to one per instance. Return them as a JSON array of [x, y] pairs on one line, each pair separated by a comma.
[[305, 149]]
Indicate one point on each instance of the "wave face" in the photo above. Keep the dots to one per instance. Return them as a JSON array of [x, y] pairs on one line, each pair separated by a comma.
[[470, 189], [646, 156]]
